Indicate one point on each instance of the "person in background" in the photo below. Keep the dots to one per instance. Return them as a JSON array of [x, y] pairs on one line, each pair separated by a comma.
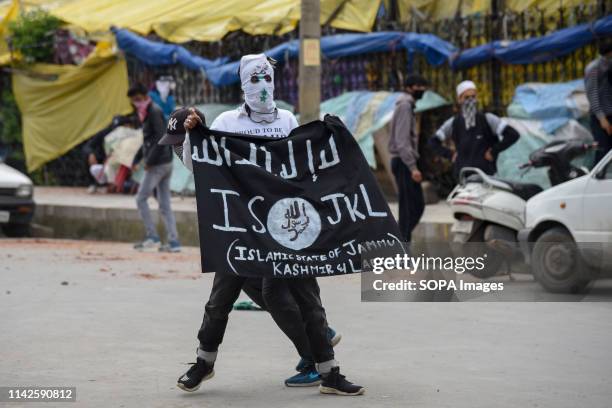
[[598, 83], [161, 94], [479, 137], [404, 150], [157, 172], [95, 153]]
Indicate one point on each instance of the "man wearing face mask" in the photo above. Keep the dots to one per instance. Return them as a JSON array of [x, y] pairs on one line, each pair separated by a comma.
[[157, 163], [479, 137], [404, 150], [598, 84], [162, 96], [294, 304]]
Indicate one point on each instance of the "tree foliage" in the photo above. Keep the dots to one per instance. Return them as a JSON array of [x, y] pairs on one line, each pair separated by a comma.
[[31, 35]]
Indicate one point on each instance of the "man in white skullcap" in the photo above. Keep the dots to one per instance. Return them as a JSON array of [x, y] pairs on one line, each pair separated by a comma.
[[294, 304], [479, 137]]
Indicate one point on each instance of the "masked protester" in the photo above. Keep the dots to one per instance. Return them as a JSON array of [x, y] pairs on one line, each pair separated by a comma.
[[295, 304], [404, 150], [598, 83], [479, 137], [161, 95], [157, 172]]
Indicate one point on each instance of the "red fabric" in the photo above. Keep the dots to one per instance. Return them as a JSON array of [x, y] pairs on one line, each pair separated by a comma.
[[122, 175]]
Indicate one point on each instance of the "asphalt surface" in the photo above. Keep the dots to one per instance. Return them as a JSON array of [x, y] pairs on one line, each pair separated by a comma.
[[120, 326]]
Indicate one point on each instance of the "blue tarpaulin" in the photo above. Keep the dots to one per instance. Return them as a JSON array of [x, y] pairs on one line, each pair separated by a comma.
[[552, 104], [222, 73], [534, 50], [435, 50], [158, 53]]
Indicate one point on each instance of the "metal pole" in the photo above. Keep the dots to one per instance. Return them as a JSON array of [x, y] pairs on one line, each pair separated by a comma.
[[309, 76], [497, 7]]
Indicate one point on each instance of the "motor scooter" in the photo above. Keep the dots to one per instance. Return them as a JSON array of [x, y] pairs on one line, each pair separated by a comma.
[[491, 210]]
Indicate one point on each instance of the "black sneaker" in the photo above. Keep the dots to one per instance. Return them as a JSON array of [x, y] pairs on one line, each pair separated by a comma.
[[199, 371], [336, 383]]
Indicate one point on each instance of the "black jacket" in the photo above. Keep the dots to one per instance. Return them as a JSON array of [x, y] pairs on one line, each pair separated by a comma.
[[153, 128], [95, 144]]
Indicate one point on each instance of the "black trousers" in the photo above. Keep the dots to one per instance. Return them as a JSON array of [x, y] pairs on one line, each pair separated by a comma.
[[284, 310], [601, 137], [411, 201], [277, 294]]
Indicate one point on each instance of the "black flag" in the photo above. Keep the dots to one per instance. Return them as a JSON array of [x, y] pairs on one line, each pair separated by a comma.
[[305, 205]]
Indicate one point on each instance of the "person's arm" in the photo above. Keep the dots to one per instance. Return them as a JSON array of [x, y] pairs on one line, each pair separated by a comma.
[[293, 123], [158, 127], [591, 84], [96, 142], [186, 153], [403, 119], [505, 133], [442, 134], [218, 124], [137, 157]]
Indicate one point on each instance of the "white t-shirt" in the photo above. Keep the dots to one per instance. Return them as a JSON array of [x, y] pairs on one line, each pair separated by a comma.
[[237, 121]]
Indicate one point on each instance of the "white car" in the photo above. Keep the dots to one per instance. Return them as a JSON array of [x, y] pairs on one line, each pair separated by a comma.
[[568, 231], [16, 201]]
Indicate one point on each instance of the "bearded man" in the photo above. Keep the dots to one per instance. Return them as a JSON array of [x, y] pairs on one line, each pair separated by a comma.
[[479, 137]]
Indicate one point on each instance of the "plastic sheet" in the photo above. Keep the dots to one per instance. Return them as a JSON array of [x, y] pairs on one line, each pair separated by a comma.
[[63, 105], [537, 49]]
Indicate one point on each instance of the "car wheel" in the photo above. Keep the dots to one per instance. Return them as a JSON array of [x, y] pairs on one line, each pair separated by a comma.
[[557, 264], [17, 230]]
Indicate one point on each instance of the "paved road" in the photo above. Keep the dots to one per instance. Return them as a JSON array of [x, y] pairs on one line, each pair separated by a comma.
[[120, 325]]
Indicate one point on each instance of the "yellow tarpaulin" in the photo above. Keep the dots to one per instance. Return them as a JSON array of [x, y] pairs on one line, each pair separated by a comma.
[[204, 20], [63, 105], [210, 20], [443, 9], [8, 12]]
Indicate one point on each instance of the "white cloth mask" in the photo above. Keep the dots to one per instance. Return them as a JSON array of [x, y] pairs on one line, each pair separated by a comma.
[[163, 87], [257, 79]]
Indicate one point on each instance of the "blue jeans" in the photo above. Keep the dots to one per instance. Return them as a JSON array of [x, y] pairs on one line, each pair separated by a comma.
[[157, 178]]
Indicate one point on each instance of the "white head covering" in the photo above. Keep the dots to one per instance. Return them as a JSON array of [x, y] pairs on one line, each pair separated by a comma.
[[258, 96], [464, 86], [163, 87]]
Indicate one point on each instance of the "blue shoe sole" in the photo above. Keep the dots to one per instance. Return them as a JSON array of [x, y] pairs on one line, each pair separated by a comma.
[[311, 384]]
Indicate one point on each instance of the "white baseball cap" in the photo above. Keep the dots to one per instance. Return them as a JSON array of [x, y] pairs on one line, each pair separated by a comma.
[[465, 86]]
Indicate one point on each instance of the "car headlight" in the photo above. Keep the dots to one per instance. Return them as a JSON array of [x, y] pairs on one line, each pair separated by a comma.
[[24, 190]]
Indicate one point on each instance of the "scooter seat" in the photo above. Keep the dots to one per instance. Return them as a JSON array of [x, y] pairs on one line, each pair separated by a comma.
[[474, 178], [523, 190]]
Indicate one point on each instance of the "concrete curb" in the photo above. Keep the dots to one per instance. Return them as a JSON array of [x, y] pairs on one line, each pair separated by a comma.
[[70, 213]]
